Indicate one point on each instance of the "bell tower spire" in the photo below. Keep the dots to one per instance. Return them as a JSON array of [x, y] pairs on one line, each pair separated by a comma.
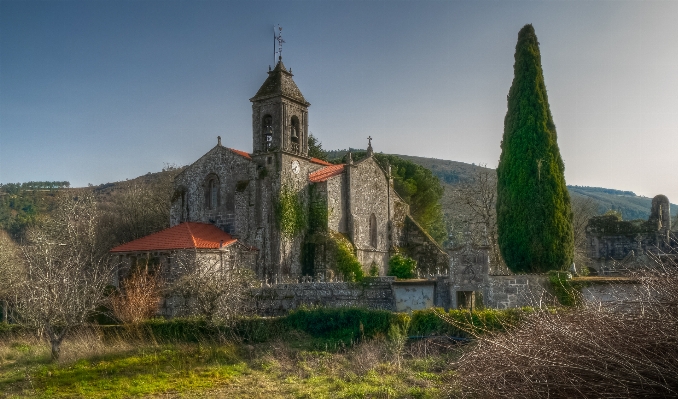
[[280, 112]]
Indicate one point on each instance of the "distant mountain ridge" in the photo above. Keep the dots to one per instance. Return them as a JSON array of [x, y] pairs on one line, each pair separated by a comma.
[[451, 173]]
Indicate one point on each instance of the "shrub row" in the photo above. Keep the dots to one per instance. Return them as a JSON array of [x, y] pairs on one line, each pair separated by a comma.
[[464, 324], [335, 324]]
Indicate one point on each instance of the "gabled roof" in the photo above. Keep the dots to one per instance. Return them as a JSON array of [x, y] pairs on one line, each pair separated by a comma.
[[321, 162], [241, 153], [280, 83], [325, 173], [188, 235]]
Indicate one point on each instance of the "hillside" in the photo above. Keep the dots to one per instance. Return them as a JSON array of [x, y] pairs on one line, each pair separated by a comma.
[[630, 205]]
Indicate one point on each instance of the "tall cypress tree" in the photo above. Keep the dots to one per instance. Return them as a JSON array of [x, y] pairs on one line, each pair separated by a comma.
[[534, 217]]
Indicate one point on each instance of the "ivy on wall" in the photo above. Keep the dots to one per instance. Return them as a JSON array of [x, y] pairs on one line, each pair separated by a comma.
[[346, 262], [290, 213], [317, 212]]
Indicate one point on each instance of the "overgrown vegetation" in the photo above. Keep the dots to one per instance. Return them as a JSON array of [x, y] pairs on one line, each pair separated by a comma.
[[402, 266], [290, 213], [418, 187], [567, 292], [534, 217], [346, 262]]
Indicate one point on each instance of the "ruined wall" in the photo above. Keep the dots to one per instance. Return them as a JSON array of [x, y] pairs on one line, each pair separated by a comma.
[[609, 237]]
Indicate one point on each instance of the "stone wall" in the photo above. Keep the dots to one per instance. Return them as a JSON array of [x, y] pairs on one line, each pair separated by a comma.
[[372, 293], [614, 296], [503, 292], [422, 247], [190, 202]]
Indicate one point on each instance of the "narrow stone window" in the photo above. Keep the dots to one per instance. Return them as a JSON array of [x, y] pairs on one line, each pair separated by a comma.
[[267, 130], [373, 231], [212, 192]]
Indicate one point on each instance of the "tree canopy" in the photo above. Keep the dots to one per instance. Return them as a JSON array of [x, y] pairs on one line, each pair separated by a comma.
[[419, 188], [534, 217]]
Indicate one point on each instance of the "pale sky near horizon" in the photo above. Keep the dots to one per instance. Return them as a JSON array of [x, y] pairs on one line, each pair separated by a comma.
[[95, 92]]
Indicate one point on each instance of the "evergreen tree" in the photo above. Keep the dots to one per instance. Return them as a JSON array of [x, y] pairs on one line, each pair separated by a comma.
[[315, 148], [534, 218]]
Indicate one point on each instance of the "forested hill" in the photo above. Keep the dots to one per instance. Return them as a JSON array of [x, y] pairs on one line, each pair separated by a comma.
[[630, 205]]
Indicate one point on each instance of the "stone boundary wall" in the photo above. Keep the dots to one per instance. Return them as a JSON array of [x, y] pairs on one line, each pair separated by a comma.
[[615, 296], [372, 293], [515, 291]]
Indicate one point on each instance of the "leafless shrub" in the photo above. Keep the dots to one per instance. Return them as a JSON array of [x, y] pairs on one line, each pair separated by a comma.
[[583, 209], [587, 352], [12, 270], [367, 355], [67, 270], [215, 287], [139, 297], [137, 207]]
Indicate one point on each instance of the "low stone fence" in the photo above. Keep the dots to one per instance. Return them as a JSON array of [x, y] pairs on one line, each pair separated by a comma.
[[372, 293], [514, 291]]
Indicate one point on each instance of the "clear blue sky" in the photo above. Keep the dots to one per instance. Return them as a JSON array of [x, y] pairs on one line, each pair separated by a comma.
[[99, 91]]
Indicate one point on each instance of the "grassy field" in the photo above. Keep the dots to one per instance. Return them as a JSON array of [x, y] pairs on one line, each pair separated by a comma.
[[291, 366]]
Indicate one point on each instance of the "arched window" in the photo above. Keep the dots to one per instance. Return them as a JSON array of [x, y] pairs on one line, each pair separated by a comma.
[[373, 231], [267, 131], [212, 192], [294, 130]]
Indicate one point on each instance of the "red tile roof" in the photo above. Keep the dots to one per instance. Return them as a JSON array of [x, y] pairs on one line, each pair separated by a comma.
[[325, 173], [320, 162], [189, 235], [241, 153]]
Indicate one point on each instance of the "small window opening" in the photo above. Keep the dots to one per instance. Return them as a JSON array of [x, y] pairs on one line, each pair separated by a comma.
[[212, 193], [373, 231]]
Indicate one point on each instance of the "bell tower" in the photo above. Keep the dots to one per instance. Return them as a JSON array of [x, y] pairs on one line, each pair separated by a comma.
[[280, 115]]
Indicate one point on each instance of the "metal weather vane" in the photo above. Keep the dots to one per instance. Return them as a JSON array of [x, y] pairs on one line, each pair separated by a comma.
[[277, 41]]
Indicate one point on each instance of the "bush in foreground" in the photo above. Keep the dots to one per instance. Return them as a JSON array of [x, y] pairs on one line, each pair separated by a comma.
[[588, 351]]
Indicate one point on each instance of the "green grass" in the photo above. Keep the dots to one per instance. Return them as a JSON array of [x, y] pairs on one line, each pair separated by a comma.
[[289, 367]]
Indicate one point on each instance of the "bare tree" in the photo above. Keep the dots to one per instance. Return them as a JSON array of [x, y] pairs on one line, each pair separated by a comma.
[[583, 209], [476, 200], [215, 285], [67, 270], [12, 271], [138, 207]]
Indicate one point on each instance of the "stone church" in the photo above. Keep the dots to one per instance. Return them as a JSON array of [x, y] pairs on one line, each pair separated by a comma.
[[276, 198]]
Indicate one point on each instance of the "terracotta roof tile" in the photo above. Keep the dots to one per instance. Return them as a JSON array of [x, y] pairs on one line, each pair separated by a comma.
[[189, 235], [241, 153], [325, 173], [320, 162]]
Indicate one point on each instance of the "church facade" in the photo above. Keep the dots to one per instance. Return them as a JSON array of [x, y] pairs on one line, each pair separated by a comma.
[[278, 200]]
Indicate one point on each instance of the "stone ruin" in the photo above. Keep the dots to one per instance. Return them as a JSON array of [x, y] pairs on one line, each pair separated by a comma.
[[618, 246]]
